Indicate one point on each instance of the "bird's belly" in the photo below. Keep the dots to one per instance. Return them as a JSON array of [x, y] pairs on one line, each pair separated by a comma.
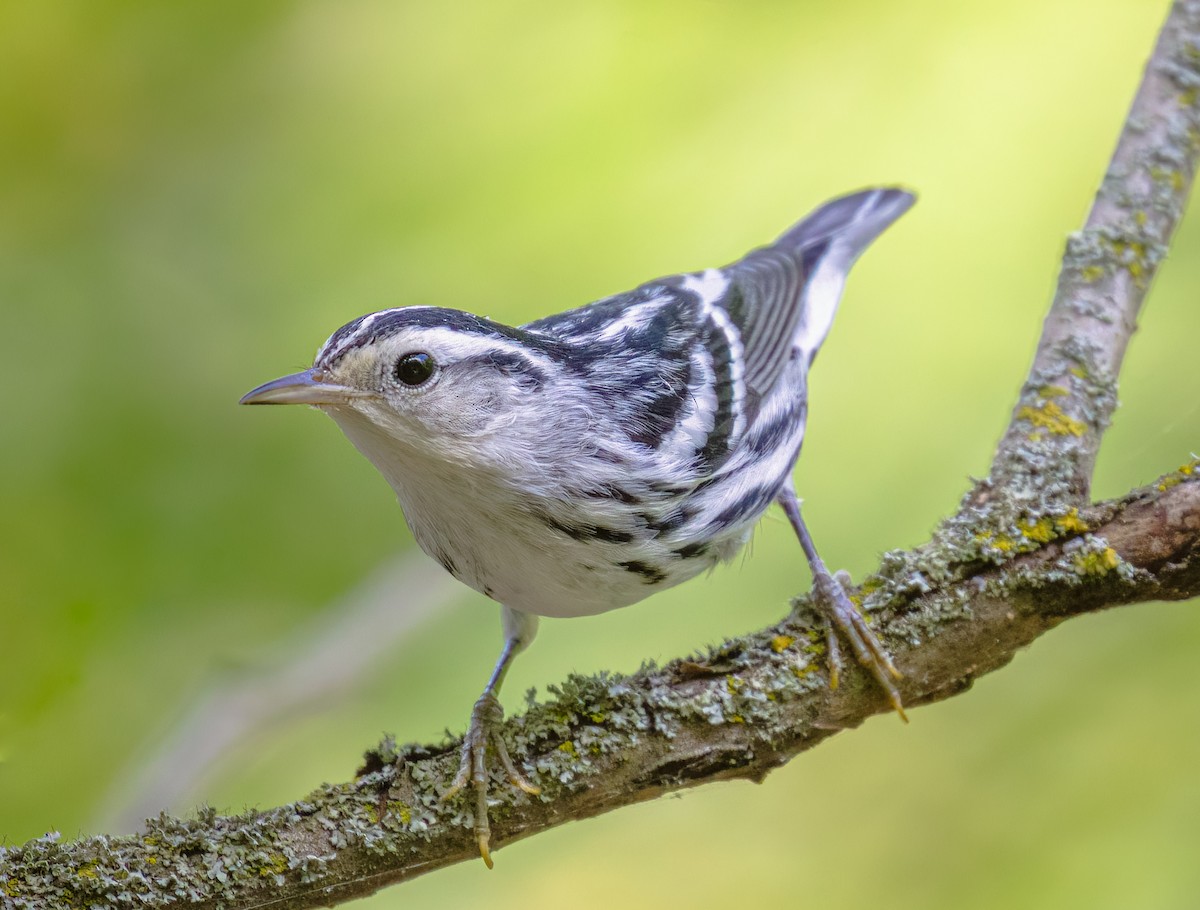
[[538, 571], [515, 555]]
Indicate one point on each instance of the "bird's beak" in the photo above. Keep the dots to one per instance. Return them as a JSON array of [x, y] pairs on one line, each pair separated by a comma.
[[308, 387]]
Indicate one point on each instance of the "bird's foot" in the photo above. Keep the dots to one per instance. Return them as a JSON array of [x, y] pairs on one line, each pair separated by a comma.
[[846, 618], [484, 729]]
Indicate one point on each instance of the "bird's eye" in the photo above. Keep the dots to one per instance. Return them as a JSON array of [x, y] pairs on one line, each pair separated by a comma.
[[414, 369]]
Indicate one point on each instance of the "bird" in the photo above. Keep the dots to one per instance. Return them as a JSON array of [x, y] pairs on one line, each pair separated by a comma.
[[588, 459]]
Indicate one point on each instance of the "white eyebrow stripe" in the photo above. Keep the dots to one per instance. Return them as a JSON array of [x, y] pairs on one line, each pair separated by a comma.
[[360, 331]]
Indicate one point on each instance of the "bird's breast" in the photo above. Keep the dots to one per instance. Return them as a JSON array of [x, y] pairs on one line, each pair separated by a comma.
[[553, 551], [520, 555]]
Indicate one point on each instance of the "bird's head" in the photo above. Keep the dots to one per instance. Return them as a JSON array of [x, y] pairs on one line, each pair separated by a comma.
[[425, 379]]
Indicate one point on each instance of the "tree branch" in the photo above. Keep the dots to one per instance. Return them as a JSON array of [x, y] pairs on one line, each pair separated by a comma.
[[1070, 394], [605, 742], [1023, 553]]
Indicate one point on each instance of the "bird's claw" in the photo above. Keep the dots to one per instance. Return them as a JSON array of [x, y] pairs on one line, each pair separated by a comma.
[[484, 729], [867, 648]]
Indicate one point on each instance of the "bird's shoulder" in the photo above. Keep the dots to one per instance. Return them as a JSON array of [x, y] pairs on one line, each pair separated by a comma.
[[653, 317], [664, 362]]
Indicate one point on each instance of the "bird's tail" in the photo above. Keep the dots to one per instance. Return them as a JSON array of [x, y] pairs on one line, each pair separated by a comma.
[[828, 242]]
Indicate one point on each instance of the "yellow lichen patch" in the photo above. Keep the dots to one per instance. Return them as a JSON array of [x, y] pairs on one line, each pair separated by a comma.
[[1091, 273], [277, 866], [1141, 218], [1184, 471], [1071, 523], [87, 870], [1040, 531], [1052, 418], [11, 887], [1097, 563], [1078, 372], [596, 717], [732, 684], [736, 719], [401, 811], [803, 672], [871, 585], [1135, 249], [1052, 391], [1165, 175], [1047, 528], [568, 747], [1001, 542], [781, 643]]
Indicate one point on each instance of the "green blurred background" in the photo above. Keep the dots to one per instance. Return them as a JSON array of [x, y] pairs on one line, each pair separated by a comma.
[[193, 195]]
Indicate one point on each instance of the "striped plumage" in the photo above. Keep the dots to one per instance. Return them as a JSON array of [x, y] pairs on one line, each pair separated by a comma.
[[590, 458]]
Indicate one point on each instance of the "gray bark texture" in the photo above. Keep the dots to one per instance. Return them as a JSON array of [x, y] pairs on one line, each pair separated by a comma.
[[1025, 551]]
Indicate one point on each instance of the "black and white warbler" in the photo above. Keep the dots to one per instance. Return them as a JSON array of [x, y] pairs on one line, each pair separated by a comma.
[[589, 459]]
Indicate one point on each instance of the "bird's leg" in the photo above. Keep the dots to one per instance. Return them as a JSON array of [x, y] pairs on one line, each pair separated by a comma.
[[484, 729], [842, 613]]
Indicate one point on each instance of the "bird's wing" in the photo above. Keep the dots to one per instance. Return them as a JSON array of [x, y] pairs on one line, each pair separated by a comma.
[[642, 355], [686, 359]]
